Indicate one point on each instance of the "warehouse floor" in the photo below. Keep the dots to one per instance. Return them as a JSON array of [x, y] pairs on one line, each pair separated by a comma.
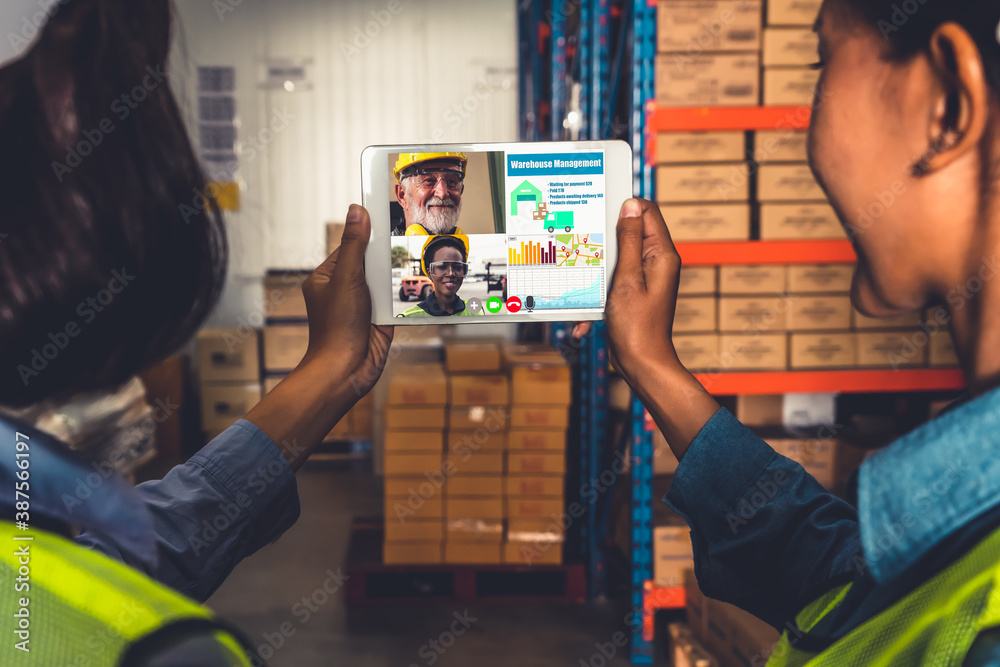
[[261, 596]]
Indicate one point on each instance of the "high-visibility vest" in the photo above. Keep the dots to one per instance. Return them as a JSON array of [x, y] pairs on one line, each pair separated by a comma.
[[936, 624], [67, 606]]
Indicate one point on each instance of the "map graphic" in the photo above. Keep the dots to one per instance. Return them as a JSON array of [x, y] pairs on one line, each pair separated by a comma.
[[579, 249], [554, 287]]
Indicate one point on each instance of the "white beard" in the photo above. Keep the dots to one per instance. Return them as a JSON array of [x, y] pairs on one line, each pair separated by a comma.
[[435, 220]]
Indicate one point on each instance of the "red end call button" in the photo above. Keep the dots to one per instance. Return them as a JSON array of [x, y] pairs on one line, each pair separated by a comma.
[[513, 304]]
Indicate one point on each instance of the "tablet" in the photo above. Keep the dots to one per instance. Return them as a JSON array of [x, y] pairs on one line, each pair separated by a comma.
[[482, 233]]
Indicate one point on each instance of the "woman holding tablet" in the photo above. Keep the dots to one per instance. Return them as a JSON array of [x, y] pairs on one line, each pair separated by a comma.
[[907, 117]]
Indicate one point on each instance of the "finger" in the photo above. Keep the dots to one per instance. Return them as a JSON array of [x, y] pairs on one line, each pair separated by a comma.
[[350, 256], [630, 233], [659, 255], [582, 329]]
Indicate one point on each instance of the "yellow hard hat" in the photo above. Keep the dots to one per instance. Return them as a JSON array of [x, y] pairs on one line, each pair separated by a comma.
[[406, 160], [430, 241]]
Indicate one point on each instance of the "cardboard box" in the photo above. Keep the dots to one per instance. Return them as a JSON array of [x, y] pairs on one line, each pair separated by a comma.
[[790, 86], [553, 440], [334, 235], [284, 346], [403, 509], [541, 385], [697, 351], [817, 456], [760, 410], [787, 182], [413, 485], [780, 146], [795, 221], [759, 352], [942, 349], [412, 553], [892, 349], [479, 390], [687, 147], [473, 508], [522, 507], [469, 553], [904, 321], [529, 354], [823, 350], [820, 278], [223, 404], [819, 313], [413, 464], [717, 183], [707, 79], [522, 553], [418, 384], [483, 463], [479, 440], [414, 531], [532, 463], [475, 485], [695, 313], [522, 416], [696, 26], [749, 280], [490, 418], [707, 222], [228, 355], [420, 417], [672, 555], [534, 485], [472, 357], [664, 461], [790, 47], [536, 531], [396, 442], [482, 531], [793, 12], [698, 281], [752, 314], [283, 299]]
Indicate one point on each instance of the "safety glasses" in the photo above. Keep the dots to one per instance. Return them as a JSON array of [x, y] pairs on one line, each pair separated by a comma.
[[429, 178], [443, 268]]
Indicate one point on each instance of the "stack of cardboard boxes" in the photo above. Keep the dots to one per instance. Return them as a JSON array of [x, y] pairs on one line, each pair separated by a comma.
[[229, 375], [475, 457], [795, 317], [790, 48]]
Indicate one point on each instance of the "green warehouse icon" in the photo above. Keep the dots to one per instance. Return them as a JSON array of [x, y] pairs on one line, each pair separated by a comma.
[[525, 192]]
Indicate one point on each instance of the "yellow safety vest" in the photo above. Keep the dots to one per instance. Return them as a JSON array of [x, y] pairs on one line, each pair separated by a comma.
[[70, 606], [935, 624]]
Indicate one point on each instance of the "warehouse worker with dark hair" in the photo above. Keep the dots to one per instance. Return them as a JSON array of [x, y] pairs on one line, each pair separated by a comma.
[[429, 188], [444, 259]]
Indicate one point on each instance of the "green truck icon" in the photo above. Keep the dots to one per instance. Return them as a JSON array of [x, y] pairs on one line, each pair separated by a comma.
[[559, 220]]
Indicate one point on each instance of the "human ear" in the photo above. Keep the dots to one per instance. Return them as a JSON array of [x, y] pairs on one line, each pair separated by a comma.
[[960, 107]]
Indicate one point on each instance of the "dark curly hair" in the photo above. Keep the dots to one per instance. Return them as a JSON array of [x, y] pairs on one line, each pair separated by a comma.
[[110, 255]]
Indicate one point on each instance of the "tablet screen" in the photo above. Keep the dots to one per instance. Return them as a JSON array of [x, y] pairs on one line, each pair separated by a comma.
[[497, 233]]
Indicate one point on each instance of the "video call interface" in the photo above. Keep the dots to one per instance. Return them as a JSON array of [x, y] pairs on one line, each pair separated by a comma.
[[490, 234]]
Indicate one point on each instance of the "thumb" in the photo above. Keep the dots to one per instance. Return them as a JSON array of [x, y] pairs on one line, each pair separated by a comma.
[[349, 259]]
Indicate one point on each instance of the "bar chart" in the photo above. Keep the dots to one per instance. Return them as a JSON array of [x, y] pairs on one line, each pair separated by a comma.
[[531, 253]]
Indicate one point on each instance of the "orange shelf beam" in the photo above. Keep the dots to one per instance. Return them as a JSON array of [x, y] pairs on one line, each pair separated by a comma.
[[766, 252], [699, 119], [859, 381], [659, 597]]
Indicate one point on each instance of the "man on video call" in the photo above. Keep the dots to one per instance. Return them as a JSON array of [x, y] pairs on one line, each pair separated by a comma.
[[445, 260], [429, 187]]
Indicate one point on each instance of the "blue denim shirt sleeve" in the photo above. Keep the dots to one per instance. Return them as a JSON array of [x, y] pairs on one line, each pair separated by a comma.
[[230, 499], [767, 536]]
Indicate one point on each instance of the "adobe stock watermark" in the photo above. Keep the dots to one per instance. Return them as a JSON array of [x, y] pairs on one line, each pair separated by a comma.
[[223, 7], [121, 108], [436, 647], [606, 651], [464, 109], [31, 25], [899, 17], [365, 35], [59, 340]]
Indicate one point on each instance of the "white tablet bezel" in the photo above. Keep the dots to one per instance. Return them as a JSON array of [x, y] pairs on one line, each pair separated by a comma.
[[377, 191]]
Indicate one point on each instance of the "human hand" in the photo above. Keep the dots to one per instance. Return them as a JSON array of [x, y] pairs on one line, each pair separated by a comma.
[[339, 307], [643, 297]]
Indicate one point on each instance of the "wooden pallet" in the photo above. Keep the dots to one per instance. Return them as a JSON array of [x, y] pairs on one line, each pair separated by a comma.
[[371, 583]]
